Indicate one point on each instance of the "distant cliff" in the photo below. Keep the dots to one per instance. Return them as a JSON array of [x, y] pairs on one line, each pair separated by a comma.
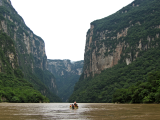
[[30, 50], [67, 73]]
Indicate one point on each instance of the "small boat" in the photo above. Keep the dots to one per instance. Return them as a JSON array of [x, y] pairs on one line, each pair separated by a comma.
[[75, 107]]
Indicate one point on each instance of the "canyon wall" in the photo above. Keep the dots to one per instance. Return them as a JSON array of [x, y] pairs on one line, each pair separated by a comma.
[[119, 37], [30, 49]]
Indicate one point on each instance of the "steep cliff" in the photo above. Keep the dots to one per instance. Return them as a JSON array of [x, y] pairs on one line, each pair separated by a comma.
[[121, 36], [13, 87], [120, 50], [67, 74], [30, 50]]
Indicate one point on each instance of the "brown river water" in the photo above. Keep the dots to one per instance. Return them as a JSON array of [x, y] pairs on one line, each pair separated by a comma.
[[91, 111]]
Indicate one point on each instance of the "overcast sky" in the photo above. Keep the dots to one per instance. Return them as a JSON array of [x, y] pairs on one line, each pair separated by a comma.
[[63, 24]]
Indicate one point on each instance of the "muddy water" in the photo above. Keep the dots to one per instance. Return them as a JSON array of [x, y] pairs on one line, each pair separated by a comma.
[[93, 111]]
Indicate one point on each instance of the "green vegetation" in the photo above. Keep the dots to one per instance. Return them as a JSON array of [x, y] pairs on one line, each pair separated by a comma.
[[142, 92], [18, 90], [13, 87], [136, 28], [66, 85], [102, 87], [141, 17], [48, 79], [25, 61]]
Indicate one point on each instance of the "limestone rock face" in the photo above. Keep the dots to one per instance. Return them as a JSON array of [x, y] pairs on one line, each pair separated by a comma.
[[60, 67], [30, 49], [34, 45], [11, 58], [96, 57], [66, 73], [119, 38], [4, 26]]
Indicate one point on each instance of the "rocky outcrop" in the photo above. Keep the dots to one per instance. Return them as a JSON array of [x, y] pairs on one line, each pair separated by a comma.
[[4, 26], [98, 60], [123, 33], [11, 59], [101, 61]]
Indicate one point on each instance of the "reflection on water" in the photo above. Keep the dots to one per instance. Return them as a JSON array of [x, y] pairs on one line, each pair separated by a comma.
[[93, 111]]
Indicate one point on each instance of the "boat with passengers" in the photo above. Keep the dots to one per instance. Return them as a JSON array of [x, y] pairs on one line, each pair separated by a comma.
[[74, 106]]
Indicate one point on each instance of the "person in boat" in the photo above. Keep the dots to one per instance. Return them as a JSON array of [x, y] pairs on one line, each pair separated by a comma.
[[75, 104], [72, 106]]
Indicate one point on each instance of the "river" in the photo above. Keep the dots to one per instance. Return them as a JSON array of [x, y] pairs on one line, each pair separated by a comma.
[[92, 111]]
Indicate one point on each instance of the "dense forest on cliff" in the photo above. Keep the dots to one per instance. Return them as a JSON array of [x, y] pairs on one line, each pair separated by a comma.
[[30, 56], [136, 28], [13, 87], [142, 92], [102, 87]]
